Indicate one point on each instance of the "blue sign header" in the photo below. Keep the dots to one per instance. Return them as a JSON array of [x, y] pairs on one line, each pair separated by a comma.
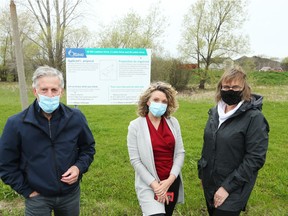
[[83, 52]]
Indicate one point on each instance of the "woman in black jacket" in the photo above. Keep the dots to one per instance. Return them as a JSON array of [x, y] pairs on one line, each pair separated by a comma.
[[235, 145]]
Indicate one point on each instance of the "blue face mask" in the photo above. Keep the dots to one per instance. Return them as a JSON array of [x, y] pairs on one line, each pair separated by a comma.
[[157, 109], [48, 104]]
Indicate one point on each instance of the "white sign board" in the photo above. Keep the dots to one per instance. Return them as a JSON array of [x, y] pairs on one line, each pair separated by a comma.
[[104, 76]]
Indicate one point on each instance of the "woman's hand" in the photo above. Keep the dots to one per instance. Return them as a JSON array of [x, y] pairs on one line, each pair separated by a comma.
[[220, 196], [165, 184], [156, 188], [160, 193], [160, 189]]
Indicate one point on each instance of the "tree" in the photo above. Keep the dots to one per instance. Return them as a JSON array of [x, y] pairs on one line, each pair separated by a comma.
[[210, 31], [284, 64], [133, 31], [248, 64], [19, 56], [122, 33], [31, 52], [160, 68], [53, 18], [170, 70], [178, 76], [5, 44], [79, 37]]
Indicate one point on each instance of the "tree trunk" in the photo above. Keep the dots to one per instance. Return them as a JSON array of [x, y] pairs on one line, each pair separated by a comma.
[[19, 56], [202, 84], [203, 79]]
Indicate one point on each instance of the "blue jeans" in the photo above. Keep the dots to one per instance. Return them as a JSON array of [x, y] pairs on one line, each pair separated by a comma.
[[65, 205]]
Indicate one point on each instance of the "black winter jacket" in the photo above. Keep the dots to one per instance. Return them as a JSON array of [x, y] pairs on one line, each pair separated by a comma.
[[233, 153], [35, 152]]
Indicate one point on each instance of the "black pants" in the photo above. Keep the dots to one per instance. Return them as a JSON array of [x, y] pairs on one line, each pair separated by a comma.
[[170, 207], [217, 212]]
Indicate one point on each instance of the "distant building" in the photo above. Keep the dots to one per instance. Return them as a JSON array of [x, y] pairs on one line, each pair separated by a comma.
[[279, 69], [276, 69], [266, 69], [188, 66]]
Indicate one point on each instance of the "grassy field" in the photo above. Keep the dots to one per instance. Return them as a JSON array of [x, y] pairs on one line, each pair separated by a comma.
[[108, 187]]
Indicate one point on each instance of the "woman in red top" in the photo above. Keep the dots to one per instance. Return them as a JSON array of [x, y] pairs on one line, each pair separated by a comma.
[[156, 151]]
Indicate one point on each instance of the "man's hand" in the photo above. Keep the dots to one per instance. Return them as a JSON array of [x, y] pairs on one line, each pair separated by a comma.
[[33, 194], [71, 175], [220, 196]]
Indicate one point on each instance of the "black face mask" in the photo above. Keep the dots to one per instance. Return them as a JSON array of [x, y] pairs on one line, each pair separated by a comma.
[[231, 97]]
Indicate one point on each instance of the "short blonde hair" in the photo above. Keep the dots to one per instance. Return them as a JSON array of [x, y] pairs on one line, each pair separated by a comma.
[[236, 73], [167, 89]]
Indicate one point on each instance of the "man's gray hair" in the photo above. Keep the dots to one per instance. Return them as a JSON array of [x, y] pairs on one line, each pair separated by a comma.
[[44, 71]]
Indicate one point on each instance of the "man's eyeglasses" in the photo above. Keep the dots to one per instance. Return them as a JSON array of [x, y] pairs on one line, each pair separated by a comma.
[[234, 88]]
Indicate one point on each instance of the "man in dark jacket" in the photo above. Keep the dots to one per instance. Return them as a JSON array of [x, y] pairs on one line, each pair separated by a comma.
[[235, 146], [45, 149]]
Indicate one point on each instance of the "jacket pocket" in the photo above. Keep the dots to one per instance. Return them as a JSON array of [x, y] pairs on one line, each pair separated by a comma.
[[202, 163]]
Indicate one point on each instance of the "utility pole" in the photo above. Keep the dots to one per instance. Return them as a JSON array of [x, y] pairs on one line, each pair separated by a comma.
[[19, 56]]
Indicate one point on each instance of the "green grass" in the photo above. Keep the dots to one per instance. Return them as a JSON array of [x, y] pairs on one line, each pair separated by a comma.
[[108, 187], [254, 77], [269, 78]]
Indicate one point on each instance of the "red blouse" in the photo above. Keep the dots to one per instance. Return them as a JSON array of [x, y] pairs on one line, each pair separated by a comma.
[[163, 144]]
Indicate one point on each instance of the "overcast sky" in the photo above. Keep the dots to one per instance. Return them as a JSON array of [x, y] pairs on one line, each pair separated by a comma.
[[266, 27]]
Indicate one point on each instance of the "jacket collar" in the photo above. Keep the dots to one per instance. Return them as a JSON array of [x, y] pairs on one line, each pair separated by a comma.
[[34, 110]]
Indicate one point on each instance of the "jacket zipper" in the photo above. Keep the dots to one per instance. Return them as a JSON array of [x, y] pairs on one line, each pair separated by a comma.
[[49, 127], [54, 155]]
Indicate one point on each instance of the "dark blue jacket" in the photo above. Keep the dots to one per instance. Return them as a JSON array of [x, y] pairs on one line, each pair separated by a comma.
[[35, 152], [233, 153]]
